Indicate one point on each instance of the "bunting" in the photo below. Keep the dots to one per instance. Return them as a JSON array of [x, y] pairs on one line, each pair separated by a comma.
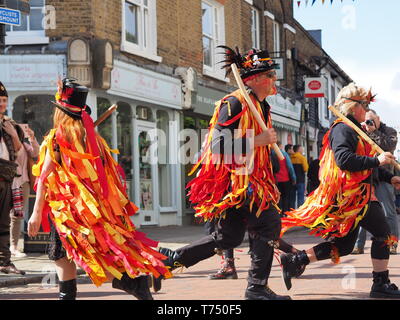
[[299, 2]]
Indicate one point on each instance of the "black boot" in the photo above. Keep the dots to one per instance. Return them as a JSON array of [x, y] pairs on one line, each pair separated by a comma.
[[262, 292], [382, 288], [138, 287], [172, 261], [293, 265], [67, 290]]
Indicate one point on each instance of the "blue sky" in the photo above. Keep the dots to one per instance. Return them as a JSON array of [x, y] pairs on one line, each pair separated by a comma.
[[363, 37]]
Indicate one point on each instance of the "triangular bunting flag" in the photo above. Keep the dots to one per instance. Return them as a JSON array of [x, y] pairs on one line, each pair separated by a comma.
[[313, 1], [306, 3], [298, 3], [331, 1], [323, 1]]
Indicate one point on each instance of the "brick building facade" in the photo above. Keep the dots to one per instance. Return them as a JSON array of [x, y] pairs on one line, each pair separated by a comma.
[[156, 59]]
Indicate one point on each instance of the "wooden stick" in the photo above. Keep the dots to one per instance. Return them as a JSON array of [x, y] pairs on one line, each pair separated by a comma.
[[253, 109], [360, 132], [105, 115]]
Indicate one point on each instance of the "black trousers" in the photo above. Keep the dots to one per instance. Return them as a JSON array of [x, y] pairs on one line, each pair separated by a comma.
[[284, 189], [374, 222], [5, 207], [230, 233]]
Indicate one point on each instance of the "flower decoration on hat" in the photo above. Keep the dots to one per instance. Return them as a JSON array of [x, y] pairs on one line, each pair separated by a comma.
[[370, 98], [249, 64]]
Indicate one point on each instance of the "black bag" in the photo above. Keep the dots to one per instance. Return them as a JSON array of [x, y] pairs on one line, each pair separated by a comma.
[[8, 170]]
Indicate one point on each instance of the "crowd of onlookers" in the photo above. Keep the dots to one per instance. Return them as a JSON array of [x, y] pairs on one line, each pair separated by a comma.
[[294, 177]]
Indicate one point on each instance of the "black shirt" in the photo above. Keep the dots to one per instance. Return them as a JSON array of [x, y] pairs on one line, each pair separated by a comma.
[[343, 141], [223, 137]]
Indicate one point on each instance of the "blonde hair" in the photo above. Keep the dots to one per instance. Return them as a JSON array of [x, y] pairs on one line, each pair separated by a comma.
[[350, 91], [73, 129]]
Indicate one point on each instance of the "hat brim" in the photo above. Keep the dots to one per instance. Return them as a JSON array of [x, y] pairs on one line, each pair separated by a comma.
[[259, 70], [76, 116]]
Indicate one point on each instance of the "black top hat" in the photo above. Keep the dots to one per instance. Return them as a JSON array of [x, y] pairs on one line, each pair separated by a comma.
[[71, 98], [3, 91], [255, 61]]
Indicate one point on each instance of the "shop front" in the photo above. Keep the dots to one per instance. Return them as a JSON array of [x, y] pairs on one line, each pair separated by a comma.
[[145, 129], [285, 119], [31, 82], [197, 120]]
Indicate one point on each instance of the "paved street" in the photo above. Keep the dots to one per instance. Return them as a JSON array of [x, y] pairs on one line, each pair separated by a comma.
[[351, 279]]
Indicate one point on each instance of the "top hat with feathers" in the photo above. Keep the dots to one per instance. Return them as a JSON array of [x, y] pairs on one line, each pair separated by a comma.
[[249, 64]]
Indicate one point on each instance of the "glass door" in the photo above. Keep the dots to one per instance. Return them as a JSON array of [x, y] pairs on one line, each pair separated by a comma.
[[147, 182]]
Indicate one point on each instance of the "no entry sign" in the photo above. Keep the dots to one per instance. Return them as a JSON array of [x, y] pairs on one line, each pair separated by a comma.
[[314, 88]]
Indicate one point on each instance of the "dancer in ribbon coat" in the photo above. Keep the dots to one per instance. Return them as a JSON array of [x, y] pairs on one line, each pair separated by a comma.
[[349, 169], [82, 190]]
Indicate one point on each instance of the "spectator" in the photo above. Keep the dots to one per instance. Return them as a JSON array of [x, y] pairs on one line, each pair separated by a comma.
[[285, 179], [312, 175], [21, 186], [386, 138], [292, 193], [300, 166], [9, 145]]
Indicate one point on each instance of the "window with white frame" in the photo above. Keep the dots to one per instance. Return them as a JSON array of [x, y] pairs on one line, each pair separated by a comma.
[[139, 28], [255, 28], [277, 36], [31, 30], [213, 24]]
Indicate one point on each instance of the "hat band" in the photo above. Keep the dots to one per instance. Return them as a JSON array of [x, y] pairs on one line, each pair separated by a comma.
[[70, 107]]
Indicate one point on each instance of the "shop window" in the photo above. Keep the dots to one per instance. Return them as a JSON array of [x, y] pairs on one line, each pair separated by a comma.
[[164, 166], [124, 131], [276, 32], [213, 26], [35, 110], [139, 28], [144, 113], [200, 125], [31, 30], [105, 128]]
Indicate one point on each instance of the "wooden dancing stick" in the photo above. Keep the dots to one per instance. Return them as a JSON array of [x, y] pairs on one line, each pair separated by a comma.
[[253, 109], [105, 115], [360, 132]]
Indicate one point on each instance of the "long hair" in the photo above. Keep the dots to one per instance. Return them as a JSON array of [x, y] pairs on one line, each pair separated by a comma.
[[72, 129]]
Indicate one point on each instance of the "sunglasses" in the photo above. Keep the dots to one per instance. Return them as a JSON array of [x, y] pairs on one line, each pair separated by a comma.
[[364, 103], [270, 75]]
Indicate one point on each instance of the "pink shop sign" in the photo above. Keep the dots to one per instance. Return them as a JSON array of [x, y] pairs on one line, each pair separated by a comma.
[[29, 73], [140, 83]]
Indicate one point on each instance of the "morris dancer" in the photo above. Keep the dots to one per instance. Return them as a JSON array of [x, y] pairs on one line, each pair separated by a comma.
[[346, 198], [236, 184], [81, 190]]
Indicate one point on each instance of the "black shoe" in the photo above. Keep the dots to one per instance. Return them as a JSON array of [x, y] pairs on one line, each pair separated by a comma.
[[11, 268], [382, 288], [138, 287], [171, 261], [67, 290], [293, 265], [260, 292]]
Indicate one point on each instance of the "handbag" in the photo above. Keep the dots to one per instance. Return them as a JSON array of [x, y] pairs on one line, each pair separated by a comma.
[[8, 170]]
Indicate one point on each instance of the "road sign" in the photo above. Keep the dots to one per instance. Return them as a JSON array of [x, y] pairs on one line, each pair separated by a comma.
[[22, 6], [9, 16]]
